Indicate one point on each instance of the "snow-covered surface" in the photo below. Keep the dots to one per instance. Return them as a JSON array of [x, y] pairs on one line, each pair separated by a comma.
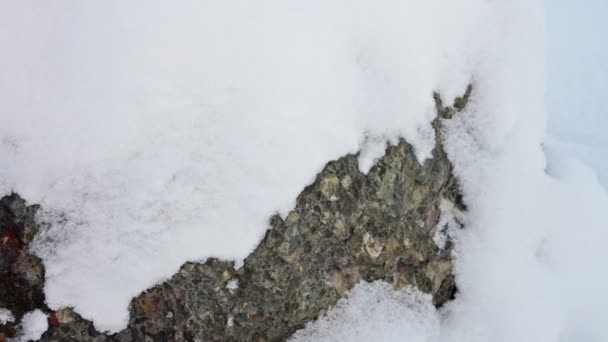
[[170, 132], [370, 151], [232, 284], [449, 223], [6, 316], [578, 80], [375, 312], [531, 264], [33, 325]]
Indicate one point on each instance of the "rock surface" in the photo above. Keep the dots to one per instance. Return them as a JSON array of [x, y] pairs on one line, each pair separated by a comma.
[[346, 227], [21, 273]]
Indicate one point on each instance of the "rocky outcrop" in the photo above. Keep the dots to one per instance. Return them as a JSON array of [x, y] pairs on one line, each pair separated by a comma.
[[346, 227], [21, 273]]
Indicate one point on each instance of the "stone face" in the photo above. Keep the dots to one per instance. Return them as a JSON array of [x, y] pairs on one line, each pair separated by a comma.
[[346, 227], [21, 273]]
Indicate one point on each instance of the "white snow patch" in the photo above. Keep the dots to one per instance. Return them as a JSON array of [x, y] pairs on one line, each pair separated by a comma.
[[232, 284], [372, 149], [153, 133], [441, 236], [577, 87], [33, 325], [238, 264], [6, 316], [574, 248], [375, 312], [450, 222]]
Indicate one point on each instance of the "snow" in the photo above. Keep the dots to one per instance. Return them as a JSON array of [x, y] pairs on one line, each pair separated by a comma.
[[450, 221], [575, 248], [232, 284], [577, 85], [531, 263], [375, 312], [33, 325], [153, 134], [6, 316], [371, 150]]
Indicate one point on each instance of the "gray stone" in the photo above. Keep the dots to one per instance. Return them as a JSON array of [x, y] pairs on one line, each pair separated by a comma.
[[21, 273]]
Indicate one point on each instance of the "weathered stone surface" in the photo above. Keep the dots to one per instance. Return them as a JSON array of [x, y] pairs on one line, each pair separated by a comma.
[[21, 273], [346, 227], [66, 325]]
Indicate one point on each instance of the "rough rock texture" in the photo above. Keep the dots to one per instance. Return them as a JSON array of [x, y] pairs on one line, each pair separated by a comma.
[[21, 273], [346, 227]]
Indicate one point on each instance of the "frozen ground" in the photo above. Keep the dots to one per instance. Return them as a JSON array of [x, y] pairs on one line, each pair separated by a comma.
[[167, 133]]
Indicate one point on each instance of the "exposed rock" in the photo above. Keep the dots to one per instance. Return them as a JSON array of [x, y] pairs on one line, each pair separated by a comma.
[[346, 227], [21, 273], [66, 325]]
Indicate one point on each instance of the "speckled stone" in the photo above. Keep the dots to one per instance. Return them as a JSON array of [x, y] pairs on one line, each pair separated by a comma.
[[21, 273]]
